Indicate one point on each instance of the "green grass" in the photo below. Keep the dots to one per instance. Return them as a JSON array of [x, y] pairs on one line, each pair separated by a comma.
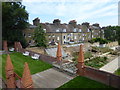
[[117, 72], [18, 61], [97, 62], [83, 82]]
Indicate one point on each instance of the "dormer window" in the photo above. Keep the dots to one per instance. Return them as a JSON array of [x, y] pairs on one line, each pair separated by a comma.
[[64, 30], [80, 30], [75, 29], [57, 30]]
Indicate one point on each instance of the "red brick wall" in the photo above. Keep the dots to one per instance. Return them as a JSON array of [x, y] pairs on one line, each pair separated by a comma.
[[102, 76], [45, 58]]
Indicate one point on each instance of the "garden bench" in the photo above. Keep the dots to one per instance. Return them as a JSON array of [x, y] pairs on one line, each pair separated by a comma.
[[26, 53], [11, 49], [36, 56]]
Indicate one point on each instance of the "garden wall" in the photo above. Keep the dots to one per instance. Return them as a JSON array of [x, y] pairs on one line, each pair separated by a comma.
[[92, 73], [111, 44], [43, 57], [102, 76]]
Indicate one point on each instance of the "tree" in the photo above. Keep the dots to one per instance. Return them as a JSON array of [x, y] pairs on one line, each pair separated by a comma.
[[118, 34], [100, 40], [40, 37], [112, 33], [14, 20]]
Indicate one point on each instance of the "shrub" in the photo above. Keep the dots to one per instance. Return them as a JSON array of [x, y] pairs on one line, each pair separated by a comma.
[[96, 62], [114, 52]]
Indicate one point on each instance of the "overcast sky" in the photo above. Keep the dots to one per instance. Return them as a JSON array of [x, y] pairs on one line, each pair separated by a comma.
[[104, 12]]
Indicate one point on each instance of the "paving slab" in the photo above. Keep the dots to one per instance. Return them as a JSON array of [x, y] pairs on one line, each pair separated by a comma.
[[112, 66], [50, 78]]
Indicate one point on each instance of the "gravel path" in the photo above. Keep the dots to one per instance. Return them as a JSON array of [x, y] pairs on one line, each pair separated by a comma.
[[112, 66]]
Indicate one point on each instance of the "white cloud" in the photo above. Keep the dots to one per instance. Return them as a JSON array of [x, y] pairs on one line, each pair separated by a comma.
[[80, 10]]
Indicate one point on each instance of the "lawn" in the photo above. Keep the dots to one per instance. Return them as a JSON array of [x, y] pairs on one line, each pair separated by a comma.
[[117, 72], [83, 82], [18, 61]]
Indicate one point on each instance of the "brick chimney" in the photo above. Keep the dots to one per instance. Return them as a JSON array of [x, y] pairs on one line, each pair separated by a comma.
[[36, 21], [96, 24], [26, 80], [80, 64], [10, 78], [59, 53], [56, 22], [73, 22], [86, 24]]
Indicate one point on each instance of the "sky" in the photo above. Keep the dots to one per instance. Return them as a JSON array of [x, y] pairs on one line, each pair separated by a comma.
[[104, 12]]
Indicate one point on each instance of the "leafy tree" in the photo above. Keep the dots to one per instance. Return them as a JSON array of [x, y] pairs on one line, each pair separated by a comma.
[[118, 34], [40, 37], [14, 20], [112, 33], [100, 40]]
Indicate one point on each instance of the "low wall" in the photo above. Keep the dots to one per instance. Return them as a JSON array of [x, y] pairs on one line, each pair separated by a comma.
[[102, 76], [46, 58], [43, 57], [111, 44]]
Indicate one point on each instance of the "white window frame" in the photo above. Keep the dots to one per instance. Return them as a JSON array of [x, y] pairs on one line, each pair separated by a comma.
[[75, 37], [80, 30], [64, 36], [75, 30], [58, 38]]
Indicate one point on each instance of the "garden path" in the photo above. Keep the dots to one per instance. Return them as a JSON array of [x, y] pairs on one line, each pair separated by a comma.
[[51, 78], [112, 66]]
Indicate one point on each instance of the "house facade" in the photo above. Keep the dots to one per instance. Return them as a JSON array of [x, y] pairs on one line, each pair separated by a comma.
[[64, 33]]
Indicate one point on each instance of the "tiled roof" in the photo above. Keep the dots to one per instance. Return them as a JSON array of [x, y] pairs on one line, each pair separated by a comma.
[[62, 28], [68, 28]]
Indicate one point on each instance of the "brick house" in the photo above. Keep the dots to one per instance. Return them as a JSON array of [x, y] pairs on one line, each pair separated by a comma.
[[64, 33]]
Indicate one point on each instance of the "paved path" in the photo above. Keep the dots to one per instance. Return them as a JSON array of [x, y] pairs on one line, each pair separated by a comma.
[[112, 66], [50, 78]]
